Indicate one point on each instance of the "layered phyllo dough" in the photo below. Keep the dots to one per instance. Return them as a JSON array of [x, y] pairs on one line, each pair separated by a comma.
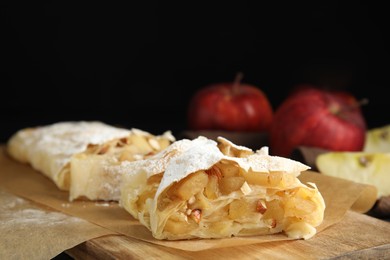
[[205, 189], [75, 155]]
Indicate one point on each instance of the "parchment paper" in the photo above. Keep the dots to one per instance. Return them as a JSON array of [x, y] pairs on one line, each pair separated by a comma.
[[340, 196], [32, 232]]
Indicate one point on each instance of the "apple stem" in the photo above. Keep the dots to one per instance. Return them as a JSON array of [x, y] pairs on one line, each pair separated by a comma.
[[360, 103], [237, 82]]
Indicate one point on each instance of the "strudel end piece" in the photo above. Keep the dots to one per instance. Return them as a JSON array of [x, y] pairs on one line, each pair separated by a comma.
[[205, 189]]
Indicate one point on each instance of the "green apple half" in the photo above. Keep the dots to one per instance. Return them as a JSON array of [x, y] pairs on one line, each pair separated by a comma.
[[361, 167], [378, 140]]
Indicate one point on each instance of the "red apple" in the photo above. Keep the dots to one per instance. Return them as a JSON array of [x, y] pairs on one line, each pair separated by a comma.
[[230, 106], [320, 118]]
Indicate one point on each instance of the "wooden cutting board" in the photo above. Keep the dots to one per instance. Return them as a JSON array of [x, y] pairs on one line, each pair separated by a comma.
[[355, 236], [358, 236]]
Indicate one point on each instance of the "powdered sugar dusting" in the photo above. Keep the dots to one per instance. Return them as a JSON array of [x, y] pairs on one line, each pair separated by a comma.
[[29, 231], [184, 157], [68, 138], [154, 164], [200, 154], [18, 213], [103, 204], [57, 143], [65, 205]]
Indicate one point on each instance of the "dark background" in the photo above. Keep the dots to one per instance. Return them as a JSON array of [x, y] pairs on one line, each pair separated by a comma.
[[137, 65]]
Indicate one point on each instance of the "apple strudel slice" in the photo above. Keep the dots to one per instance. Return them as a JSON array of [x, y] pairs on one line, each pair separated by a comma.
[[205, 189], [74, 155]]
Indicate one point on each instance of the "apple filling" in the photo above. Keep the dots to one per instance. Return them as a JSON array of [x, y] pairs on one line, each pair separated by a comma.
[[226, 200], [89, 175], [129, 148]]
